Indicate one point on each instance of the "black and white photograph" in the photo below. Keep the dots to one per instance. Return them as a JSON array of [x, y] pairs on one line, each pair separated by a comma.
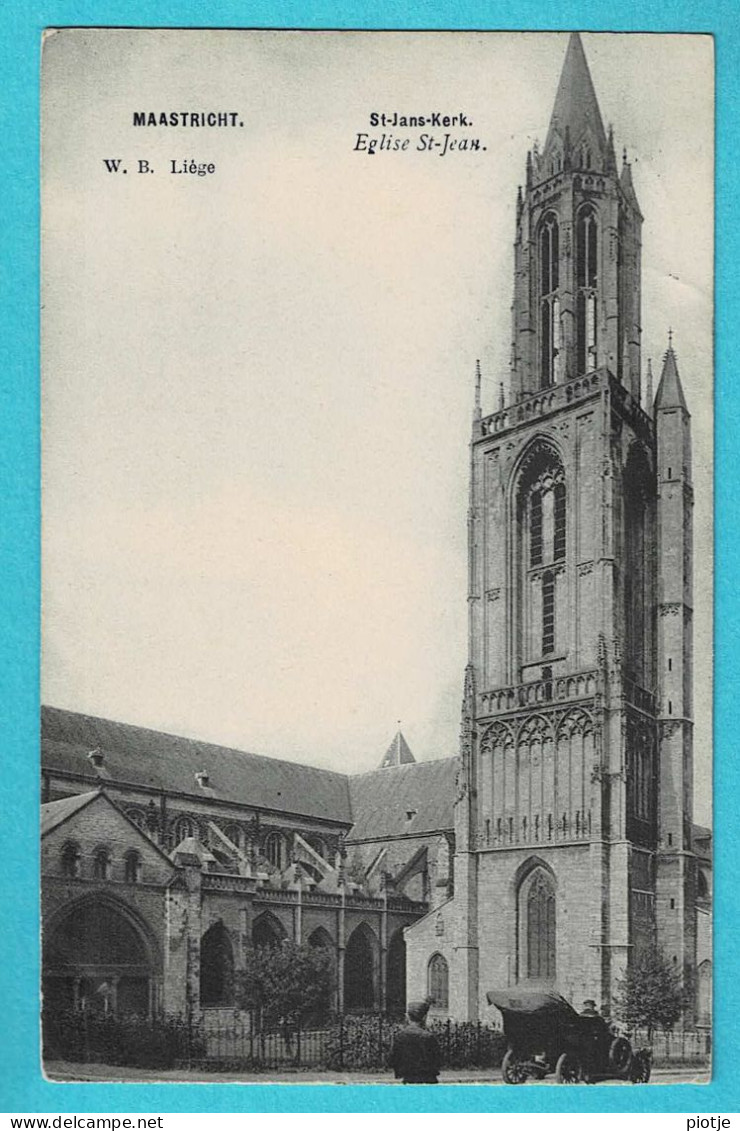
[[377, 576]]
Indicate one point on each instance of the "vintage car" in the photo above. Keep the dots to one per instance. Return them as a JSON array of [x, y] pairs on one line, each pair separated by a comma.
[[546, 1035]]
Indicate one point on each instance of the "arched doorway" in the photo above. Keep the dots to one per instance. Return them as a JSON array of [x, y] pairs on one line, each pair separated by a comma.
[[396, 975], [98, 959], [216, 967], [360, 970]]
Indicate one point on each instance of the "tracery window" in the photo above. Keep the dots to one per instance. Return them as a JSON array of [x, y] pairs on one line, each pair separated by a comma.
[[538, 912], [586, 289], [543, 529], [274, 849], [549, 257], [182, 829], [438, 976]]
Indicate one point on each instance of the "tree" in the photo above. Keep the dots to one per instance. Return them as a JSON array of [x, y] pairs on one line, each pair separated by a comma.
[[287, 983], [651, 994]]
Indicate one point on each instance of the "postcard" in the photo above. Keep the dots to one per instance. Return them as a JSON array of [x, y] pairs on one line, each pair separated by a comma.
[[377, 421]]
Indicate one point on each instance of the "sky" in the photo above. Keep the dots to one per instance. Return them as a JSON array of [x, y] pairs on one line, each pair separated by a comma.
[[258, 384]]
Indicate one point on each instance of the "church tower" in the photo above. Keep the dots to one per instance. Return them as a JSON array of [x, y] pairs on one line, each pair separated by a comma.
[[574, 801]]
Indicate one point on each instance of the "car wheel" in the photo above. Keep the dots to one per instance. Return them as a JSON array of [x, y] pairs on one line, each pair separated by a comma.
[[568, 1069], [641, 1067], [513, 1070], [620, 1055]]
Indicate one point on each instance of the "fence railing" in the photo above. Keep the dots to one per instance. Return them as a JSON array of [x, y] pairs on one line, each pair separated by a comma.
[[690, 1045], [344, 1043]]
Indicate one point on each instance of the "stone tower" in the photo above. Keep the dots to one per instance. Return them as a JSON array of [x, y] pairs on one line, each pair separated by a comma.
[[574, 802]]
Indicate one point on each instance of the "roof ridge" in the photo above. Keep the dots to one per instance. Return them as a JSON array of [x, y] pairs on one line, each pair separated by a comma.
[[203, 742]]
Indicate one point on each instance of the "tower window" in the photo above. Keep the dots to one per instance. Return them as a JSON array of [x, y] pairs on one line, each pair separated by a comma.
[[548, 614], [535, 529], [549, 249], [586, 288], [559, 534]]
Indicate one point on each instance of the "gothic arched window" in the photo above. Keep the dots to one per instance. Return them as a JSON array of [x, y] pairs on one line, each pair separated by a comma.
[[537, 916], [274, 849], [543, 533], [549, 262], [71, 860], [587, 246], [101, 864], [182, 829], [132, 867], [438, 977]]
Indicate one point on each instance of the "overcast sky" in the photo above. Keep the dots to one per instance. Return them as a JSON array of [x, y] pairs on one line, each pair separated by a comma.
[[257, 385]]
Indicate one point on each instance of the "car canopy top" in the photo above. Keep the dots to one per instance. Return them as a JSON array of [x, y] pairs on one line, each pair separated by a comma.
[[532, 1001]]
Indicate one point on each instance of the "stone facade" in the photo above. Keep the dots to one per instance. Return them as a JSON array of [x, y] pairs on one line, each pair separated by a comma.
[[146, 839], [573, 818]]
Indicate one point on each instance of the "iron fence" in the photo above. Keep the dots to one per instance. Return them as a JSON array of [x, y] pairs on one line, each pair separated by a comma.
[[346, 1042]]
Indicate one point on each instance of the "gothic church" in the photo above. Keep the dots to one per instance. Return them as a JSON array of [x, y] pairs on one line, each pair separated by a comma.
[[560, 842]]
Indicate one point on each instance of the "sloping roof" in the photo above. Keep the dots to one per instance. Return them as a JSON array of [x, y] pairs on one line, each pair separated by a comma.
[[383, 799], [576, 106], [670, 390], [54, 812], [149, 758], [398, 753]]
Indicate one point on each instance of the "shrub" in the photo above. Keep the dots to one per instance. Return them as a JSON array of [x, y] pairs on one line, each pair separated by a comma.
[[133, 1041]]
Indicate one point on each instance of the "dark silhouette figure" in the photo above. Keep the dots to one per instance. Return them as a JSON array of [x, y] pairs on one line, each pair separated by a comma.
[[415, 1057]]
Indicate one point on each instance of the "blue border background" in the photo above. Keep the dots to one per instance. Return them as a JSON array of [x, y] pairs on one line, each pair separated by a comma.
[[22, 1087]]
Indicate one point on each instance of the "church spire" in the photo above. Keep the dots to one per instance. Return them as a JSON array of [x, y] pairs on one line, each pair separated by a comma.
[[398, 753], [670, 390], [576, 109]]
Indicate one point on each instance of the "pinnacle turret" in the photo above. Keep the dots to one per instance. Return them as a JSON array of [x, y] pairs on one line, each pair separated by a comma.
[[670, 390]]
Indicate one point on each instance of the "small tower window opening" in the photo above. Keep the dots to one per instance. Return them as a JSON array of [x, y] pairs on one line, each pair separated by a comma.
[[488, 831], [549, 251], [586, 289], [498, 828]]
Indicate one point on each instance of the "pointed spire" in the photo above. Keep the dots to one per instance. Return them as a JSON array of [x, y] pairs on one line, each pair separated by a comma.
[[670, 390], [398, 753], [576, 108]]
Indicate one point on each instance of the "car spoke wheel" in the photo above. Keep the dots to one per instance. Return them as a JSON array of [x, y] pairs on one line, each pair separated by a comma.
[[641, 1067], [513, 1071], [568, 1069], [620, 1054]]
